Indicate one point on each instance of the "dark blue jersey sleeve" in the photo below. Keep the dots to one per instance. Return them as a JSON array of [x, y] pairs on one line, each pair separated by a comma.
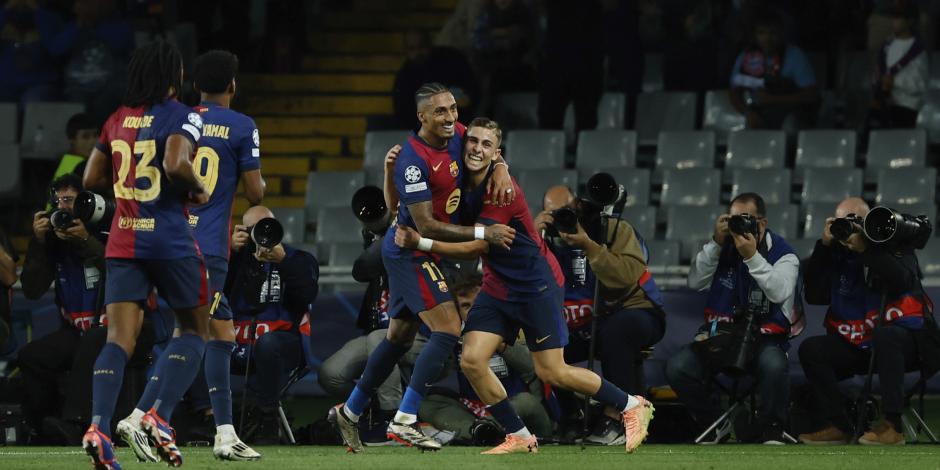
[[248, 150], [411, 178], [187, 123]]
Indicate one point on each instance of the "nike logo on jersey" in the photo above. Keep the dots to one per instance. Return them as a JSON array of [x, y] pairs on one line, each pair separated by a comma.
[[435, 167], [542, 340]]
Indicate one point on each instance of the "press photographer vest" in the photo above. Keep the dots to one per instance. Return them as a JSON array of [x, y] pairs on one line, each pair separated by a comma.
[[854, 307], [579, 299], [76, 289], [274, 317], [732, 285]]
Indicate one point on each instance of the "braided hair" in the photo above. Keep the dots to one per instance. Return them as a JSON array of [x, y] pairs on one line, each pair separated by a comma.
[[426, 91], [153, 70]]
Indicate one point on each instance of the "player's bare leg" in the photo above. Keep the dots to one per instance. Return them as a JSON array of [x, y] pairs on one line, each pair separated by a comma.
[[227, 444], [478, 348], [636, 411], [398, 340], [444, 322]]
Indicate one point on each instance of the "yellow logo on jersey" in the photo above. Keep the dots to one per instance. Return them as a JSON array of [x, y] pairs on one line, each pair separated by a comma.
[[454, 169], [193, 220], [453, 202]]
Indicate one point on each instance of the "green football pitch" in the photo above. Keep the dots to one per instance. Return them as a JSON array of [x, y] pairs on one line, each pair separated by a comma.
[[751, 457]]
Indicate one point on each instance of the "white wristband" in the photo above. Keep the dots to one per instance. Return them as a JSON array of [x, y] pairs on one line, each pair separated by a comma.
[[479, 233], [424, 244]]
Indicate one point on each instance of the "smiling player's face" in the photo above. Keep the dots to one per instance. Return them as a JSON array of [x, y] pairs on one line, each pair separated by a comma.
[[481, 148], [438, 115]]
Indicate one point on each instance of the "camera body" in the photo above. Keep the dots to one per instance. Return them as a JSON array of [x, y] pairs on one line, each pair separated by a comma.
[[744, 223], [565, 220], [843, 227], [61, 219]]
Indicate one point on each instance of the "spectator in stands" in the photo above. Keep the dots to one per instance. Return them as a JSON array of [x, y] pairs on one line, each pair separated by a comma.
[[503, 45], [835, 275], [901, 75], [572, 65], [72, 258], [425, 64], [269, 291], [82, 132], [772, 82], [747, 271], [462, 412], [27, 71], [631, 316], [96, 48], [8, 259], [457, 31]]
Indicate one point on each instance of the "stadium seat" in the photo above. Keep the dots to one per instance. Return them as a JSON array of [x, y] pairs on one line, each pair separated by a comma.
[[929, 259], [517, 111], [933, 62], [756, 149], [8, 123], [376, 146], [331, 188], [10, 176], [44, 129], [720, 116], [535, 149], [606, 148], [814, 217], [344, 253], [896, 148], [690, 225], [831, 184], [929, 116], [772, 184], [783, 219], [803, 246], [825, 148], [337, 224], [663, 252], [692, 187], [294, 222], [652, 73], [663, 111], [636, 181], [534, 182], [906, 186], [685, 149], [643, 219], [611, 111]]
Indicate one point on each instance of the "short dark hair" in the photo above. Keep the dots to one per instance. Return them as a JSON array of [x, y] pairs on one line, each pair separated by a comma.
[[153, 70], [68, 180], [214, 71], [465, 281], [426, 91], [78, 122], [753, 198]]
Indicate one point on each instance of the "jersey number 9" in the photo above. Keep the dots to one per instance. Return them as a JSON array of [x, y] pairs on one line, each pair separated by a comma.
[[209, 176]]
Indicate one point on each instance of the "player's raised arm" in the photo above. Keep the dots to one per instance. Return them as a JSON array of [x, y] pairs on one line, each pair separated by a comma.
[[496, 234], [406, 237], [254, 186], [391, 193]]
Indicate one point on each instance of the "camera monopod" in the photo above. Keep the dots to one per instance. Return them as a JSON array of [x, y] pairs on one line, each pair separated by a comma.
[[861, 406]]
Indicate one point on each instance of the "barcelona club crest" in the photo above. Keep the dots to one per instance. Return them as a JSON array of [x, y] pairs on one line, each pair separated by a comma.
[[454, 169], [442, 286]]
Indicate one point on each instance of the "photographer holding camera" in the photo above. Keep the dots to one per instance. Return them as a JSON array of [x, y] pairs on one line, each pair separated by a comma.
[[631, 315], [752, 309], [269, 289], [836, 276]]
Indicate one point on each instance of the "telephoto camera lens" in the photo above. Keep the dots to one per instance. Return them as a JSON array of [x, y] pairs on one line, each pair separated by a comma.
[[93, 208], [267, 233], [566, 220], [62, 219], [884, 225], [602, 189], [368, 205], [843, 227]]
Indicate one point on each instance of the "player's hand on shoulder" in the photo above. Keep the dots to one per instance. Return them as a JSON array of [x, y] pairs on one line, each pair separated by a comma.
[[499, 188], [41, 225], [499, 235], [406, 237], [240, 237]]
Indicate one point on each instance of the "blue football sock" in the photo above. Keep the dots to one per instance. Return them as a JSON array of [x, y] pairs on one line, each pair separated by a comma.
[[506, 416], [153, 385], [380, 364], [183, 361], [427, 369], [217, 364], [609, 394], [106, 385]]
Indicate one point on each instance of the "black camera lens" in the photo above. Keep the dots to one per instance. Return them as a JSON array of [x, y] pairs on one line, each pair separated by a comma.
[[884, 225], [267, 233], [368, 205], [566, 220], [842, 228], [602, 189], [742, 224], [62, 219]]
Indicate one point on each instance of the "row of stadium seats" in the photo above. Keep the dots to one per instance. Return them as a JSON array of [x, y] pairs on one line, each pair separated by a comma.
[[756, 149], [43, 131]]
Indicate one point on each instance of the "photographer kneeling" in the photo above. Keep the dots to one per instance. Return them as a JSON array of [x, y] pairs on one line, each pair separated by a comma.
[[269, 290], [631, 315], [751, 310], [835, 275]]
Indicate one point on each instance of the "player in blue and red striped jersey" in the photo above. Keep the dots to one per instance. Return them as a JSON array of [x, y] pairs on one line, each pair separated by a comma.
[[427, 177], [523, 288], [229, 150], [143, 154]]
